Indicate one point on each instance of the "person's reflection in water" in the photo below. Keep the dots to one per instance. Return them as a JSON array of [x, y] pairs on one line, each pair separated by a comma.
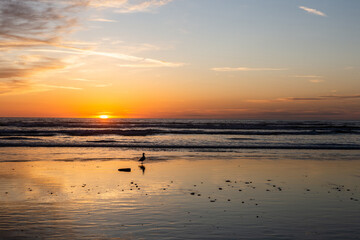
[[142, 167]]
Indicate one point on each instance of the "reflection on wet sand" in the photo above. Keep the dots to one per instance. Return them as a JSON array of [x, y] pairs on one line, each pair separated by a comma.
[[142, 167], [220, 197]]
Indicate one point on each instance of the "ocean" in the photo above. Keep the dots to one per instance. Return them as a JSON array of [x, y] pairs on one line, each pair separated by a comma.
[[202, 179], [179, 134]]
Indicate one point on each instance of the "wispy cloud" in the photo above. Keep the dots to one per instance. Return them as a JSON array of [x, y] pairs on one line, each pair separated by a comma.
[[91, 83], [14, 87], [319, 98], [311, 78], [245, 69], [128, 6], [357, 96], [18, 77], [32, 18], [151, 65], [313, 11], [144, 6], [316, 80], [29, 24], [137, 48], [28, 66], [57, 86], [307, 76], [102, 20], [259, 100], [41, 26], [81, 79], [289, 99], [148, 62]]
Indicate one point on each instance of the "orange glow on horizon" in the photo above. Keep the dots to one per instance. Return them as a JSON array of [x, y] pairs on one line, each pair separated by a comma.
[[104, 116]]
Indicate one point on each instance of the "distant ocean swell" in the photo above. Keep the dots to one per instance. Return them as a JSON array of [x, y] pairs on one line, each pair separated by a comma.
[[150, 132], [51, 123], [179, 134], [210, 147]]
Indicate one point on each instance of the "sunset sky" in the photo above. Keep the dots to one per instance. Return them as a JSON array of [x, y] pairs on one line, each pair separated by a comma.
[[243, 59]]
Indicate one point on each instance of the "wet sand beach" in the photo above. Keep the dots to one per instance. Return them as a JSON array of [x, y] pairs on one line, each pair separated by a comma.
[[74, 193]]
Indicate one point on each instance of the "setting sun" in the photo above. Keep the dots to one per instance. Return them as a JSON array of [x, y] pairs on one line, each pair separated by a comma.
[[104, 116]]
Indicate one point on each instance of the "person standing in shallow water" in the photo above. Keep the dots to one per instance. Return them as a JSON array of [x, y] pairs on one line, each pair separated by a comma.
[[142, 159]]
